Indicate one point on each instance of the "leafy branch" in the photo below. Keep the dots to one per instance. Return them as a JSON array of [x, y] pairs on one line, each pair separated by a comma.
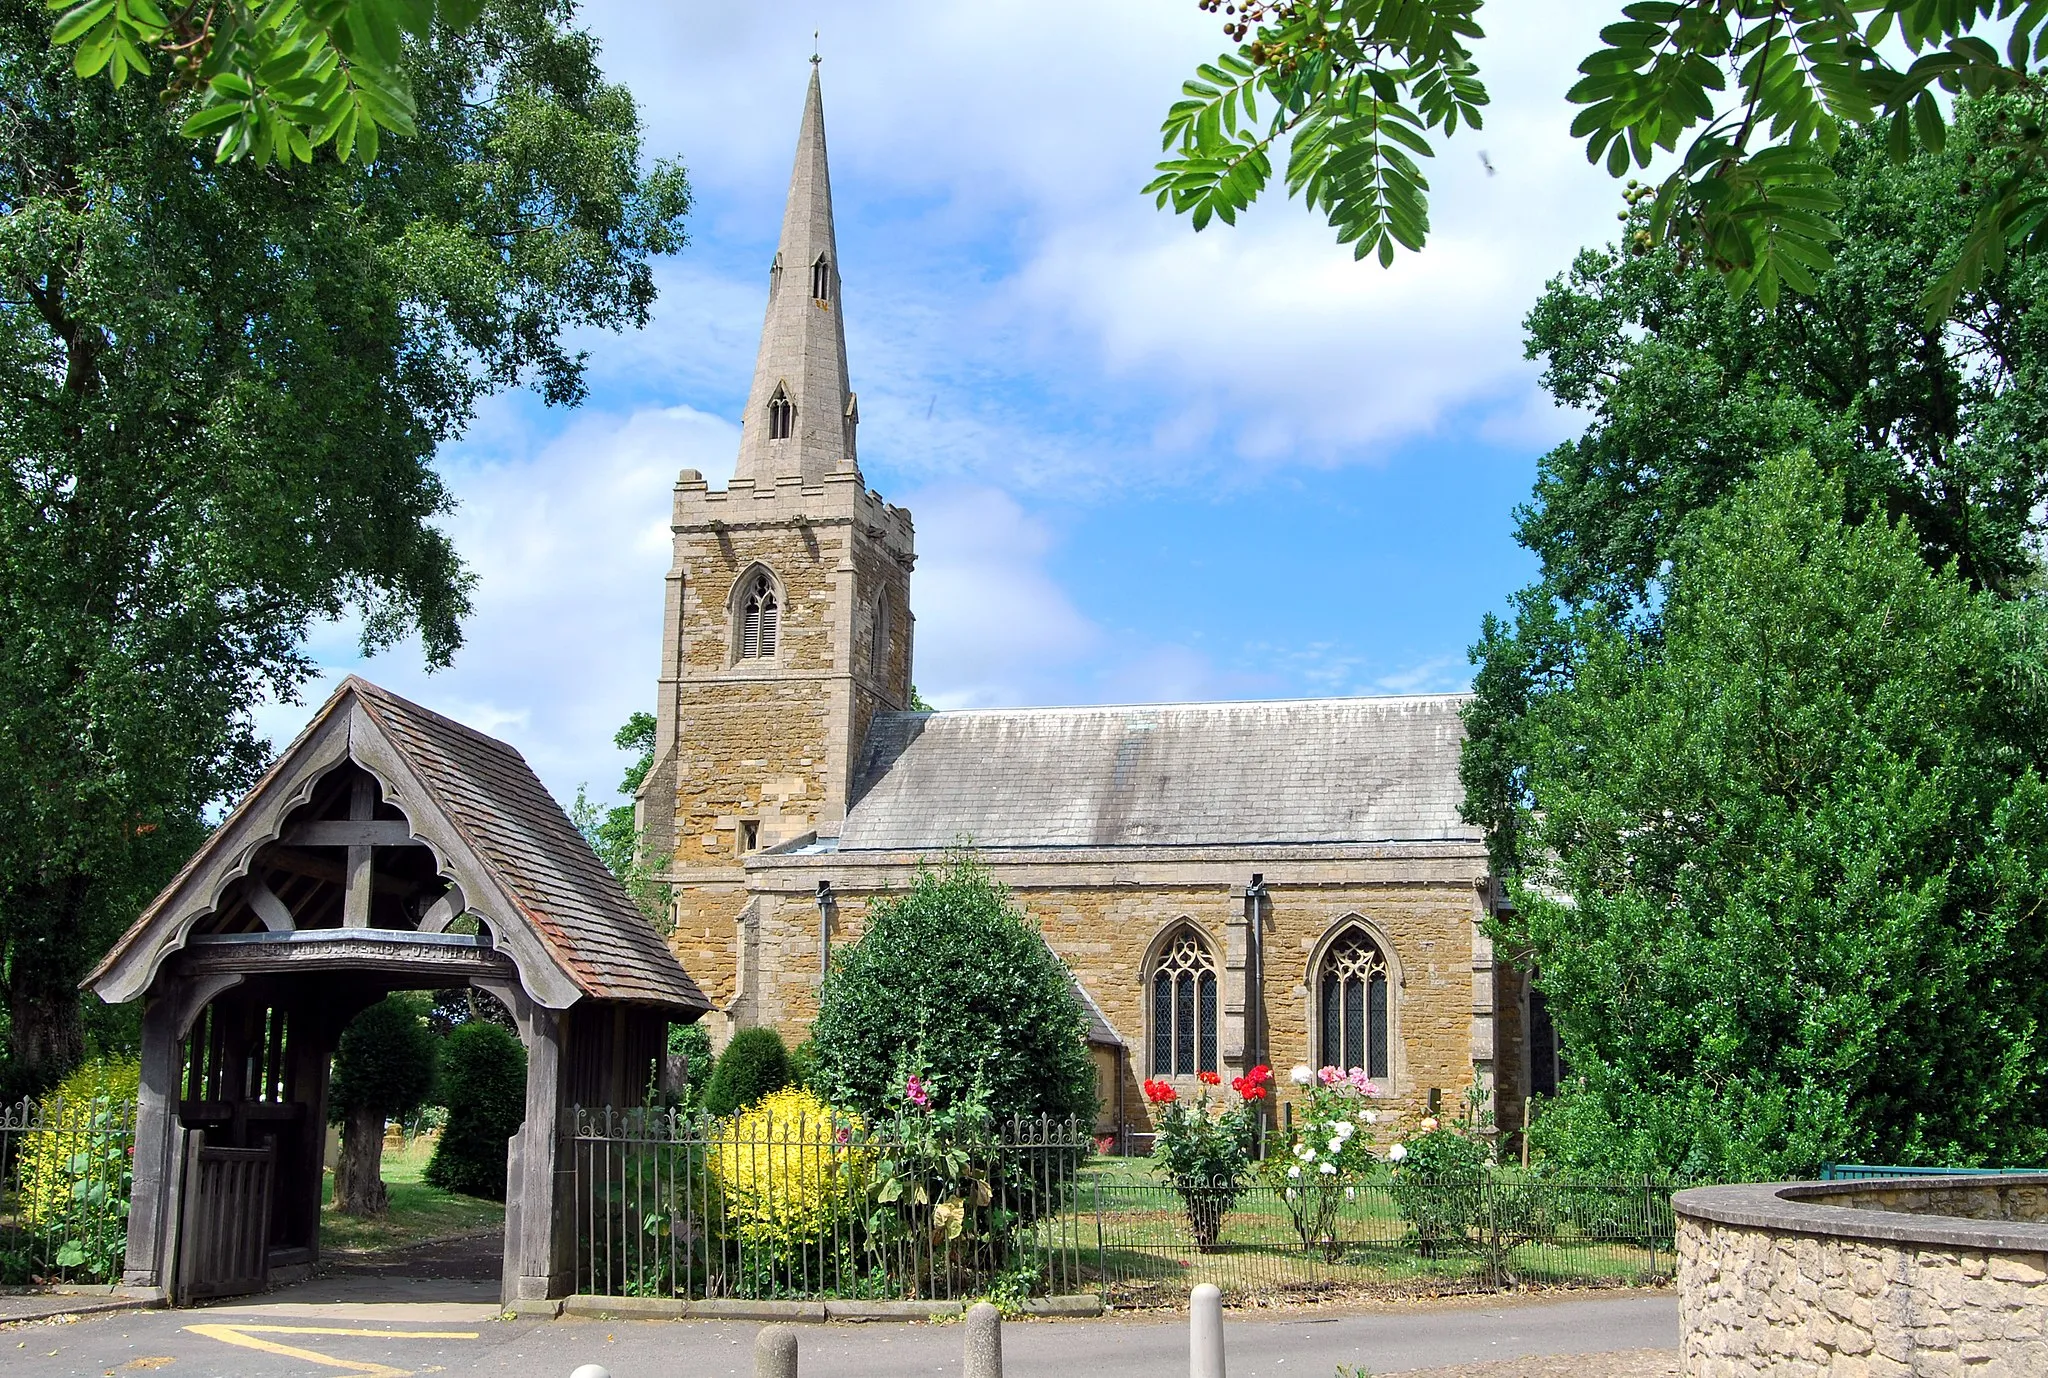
[[270, 82], [1752, 96]]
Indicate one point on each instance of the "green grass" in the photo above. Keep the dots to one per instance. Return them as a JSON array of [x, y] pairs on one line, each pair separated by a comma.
[[418, 1212]]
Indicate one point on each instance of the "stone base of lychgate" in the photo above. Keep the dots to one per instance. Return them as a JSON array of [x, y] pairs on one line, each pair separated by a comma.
[[1870, 1279]]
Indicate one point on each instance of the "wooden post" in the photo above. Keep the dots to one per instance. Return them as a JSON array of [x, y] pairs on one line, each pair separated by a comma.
[[156, 1119], [362, 806], [537, 1147]]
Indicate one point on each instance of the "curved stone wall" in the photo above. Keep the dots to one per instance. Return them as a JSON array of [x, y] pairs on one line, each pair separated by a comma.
[[1920, 1276]]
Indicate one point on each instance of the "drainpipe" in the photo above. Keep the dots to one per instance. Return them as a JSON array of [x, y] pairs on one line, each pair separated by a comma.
[[1255, 979]]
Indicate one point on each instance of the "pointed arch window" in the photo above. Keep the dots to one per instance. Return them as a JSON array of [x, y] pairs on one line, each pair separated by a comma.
[[781, 415], [821, 279], [1184, 1007], [760, 620], [1354, 1005]]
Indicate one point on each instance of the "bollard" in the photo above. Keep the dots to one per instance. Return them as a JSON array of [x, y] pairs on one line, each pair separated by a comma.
[[591, 1371], [1205, 1332], [775, 1352], [984, 1342]]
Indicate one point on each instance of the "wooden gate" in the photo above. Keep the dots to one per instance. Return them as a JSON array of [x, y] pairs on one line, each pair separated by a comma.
[[224, 1235]]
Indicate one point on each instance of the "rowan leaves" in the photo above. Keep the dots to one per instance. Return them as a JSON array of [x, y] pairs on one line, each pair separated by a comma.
[[1741, 102], [269, 82]]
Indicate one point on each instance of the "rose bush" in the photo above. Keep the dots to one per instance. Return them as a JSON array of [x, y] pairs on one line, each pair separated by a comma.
[[1328, 1155], [1206, 1146]]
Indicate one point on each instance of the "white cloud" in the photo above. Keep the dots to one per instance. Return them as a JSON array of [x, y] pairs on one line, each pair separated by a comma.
[[992, 627], [569, 544]]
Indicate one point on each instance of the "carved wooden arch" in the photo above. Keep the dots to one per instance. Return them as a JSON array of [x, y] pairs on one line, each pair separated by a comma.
[[345, 737], [1375, 933]]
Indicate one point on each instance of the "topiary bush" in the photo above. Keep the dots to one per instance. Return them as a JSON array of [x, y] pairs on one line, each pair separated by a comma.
[[752, 1065], [483, 1084], [951, 982], [383, 1070]]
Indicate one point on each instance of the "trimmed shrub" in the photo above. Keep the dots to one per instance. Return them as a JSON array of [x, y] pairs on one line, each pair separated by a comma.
[[79, 1110], [789, 1168], [752, 1065], [383, 1070], [951, 982], [483, 1084]]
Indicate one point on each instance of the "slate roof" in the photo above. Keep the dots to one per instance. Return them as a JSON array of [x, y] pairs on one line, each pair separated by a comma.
[[484, 789], [1201, 774], [574, 903]]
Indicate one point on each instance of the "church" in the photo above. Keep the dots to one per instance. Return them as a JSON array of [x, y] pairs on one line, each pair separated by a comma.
[[1229, 883]]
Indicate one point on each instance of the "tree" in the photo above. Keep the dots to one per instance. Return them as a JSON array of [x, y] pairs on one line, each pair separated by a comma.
[[613, 833], [1785, 874], [1688, 390], [220, 393], [1761, 95], [383, 1070], [950, 982], [483, 1084], [753, 1064]]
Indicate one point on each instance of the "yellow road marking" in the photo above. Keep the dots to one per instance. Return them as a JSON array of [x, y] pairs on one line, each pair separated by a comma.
[[246, 1336]]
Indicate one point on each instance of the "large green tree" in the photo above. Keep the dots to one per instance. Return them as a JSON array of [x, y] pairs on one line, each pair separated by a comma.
[[1788, 876], [1751, 96], [221, 389], [1686, 390]]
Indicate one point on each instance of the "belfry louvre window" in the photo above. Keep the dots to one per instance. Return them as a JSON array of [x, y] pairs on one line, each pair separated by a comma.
[[781, 416], [1184, 1008], [1352, 1005], [759, 618], [821, 280]]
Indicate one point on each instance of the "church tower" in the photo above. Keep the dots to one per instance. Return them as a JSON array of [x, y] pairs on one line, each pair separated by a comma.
[[787, 623]]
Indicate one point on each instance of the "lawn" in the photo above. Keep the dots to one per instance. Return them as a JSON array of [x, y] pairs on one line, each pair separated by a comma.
[[418, 1212]]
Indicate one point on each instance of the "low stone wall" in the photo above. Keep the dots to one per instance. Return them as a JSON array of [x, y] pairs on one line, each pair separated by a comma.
[[1872, 1279]]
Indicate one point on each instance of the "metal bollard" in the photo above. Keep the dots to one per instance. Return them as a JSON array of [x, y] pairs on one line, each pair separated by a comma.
[[984, 1342], [1205, 1332], [775, 1352], [592, 1371]]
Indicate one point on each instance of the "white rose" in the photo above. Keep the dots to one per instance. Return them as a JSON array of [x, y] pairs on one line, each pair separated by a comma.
[[1351, 1193], [1345, 1129], [1301, 1076], [1368, 1117], [1397, 1153], [1337, 1145], [1328, 1169], [1294, 1171], [1304, 1152]]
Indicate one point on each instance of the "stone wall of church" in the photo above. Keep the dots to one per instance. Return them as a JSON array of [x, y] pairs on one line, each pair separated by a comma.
[[1105, 927]]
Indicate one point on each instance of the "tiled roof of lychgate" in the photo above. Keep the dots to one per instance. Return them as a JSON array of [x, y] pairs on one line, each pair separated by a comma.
[[488, 801], [1203, 774], [577, 906]]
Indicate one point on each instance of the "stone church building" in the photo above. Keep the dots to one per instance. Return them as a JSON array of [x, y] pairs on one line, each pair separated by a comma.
[[1230, 883]]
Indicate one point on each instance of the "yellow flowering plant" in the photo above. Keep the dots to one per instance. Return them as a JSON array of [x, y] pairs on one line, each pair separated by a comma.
[[789, 1168]]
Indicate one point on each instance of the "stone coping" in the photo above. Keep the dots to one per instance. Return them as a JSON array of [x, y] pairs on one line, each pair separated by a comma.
[[1801, 1208]]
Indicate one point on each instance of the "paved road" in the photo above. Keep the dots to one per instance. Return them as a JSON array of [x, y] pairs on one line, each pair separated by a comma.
[[286, 1340]]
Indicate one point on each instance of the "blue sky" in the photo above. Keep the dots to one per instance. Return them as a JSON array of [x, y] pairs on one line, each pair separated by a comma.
[[1145, 464]]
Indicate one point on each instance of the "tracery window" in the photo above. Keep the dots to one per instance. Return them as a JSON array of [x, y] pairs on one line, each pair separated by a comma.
[[1353, 1005], [821, 280], [878, 645], [781, 416], [760, 618], [1184, 1013]]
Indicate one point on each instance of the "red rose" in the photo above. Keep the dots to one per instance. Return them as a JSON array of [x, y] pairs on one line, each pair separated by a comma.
[[1159, 1093], [1209, 1078]]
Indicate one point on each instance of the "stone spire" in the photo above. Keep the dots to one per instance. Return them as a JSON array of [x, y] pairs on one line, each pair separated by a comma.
[[800, 413]]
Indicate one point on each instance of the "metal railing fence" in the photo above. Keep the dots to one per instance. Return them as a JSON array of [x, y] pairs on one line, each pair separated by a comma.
[[66, 1169], [670, 1203], [673, 1205]]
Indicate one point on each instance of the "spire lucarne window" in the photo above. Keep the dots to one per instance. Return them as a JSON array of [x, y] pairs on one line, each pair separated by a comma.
[[821, 279], [759, 616], [1353, 1005], [781, 416], [1184, 1007]]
